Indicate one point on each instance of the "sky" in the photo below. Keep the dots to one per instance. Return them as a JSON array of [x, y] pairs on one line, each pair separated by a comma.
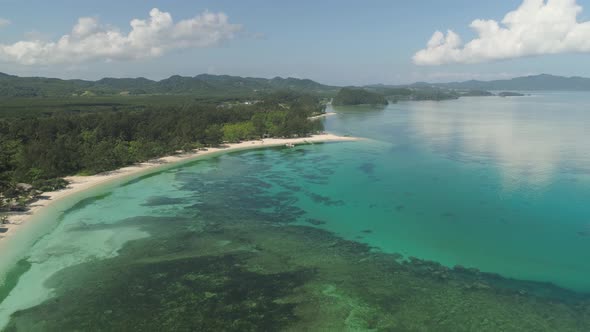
[[341, 42]]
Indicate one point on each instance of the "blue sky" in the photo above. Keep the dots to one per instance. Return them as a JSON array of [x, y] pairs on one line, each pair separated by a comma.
[[335, 42]]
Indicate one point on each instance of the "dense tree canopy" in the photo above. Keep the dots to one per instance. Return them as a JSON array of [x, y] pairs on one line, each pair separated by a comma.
[[356, 96]]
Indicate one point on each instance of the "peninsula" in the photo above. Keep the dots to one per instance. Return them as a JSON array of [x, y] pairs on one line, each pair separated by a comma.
[[358, 96]]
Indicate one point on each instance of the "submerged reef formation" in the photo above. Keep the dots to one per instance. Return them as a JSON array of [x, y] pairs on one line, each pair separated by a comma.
[[251, 276], [237, 254]]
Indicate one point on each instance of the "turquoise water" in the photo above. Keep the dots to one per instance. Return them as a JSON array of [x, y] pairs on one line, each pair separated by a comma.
[[497, 184], [500, 184]]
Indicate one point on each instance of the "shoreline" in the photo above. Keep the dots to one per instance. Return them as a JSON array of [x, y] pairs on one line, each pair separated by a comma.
[[79, 184], [321, 116]]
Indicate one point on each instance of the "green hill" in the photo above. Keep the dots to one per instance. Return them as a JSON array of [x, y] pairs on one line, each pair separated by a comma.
[[200, 85], [357, 96]]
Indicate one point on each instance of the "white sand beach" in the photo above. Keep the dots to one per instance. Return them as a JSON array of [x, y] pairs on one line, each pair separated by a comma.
[[79, 184], [321, 116]]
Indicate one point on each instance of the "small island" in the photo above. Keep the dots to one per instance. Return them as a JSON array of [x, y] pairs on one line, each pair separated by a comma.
[[476, 93], [358, 96], [510, 94]]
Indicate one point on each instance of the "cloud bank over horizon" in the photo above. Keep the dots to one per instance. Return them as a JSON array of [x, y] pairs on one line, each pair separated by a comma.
[[90, 40], [537, 27]]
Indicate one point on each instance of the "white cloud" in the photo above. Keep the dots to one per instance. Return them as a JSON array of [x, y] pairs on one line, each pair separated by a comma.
[[4, 22], [537, 27], [90, 40]]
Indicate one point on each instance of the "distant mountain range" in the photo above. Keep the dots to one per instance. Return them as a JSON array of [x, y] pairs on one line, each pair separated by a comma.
[[206, 85], [525, 83], [201, 85]]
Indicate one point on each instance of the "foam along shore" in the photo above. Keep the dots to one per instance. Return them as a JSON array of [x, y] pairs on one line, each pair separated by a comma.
[[38, 219], [321, 116]]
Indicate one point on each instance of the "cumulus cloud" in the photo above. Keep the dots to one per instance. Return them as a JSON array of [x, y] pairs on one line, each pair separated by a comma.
[[4, 22], [537, 27], [90, 40]]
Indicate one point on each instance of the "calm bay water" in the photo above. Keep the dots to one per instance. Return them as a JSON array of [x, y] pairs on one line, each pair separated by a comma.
[[501, 184], [497, 184]]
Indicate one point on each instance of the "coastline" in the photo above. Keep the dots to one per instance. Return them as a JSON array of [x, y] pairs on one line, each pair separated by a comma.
[[321, 116], [79, 184]]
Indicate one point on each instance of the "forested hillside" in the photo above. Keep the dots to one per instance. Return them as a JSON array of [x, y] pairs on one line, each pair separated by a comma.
[[199, 86], [357, 96]]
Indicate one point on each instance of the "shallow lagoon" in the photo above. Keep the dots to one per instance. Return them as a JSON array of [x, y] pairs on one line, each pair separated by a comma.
[[309, 238]]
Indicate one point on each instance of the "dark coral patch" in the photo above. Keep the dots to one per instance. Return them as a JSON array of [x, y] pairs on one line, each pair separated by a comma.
[[314, 221], [367, 168], [162, 200], [199, 293]]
